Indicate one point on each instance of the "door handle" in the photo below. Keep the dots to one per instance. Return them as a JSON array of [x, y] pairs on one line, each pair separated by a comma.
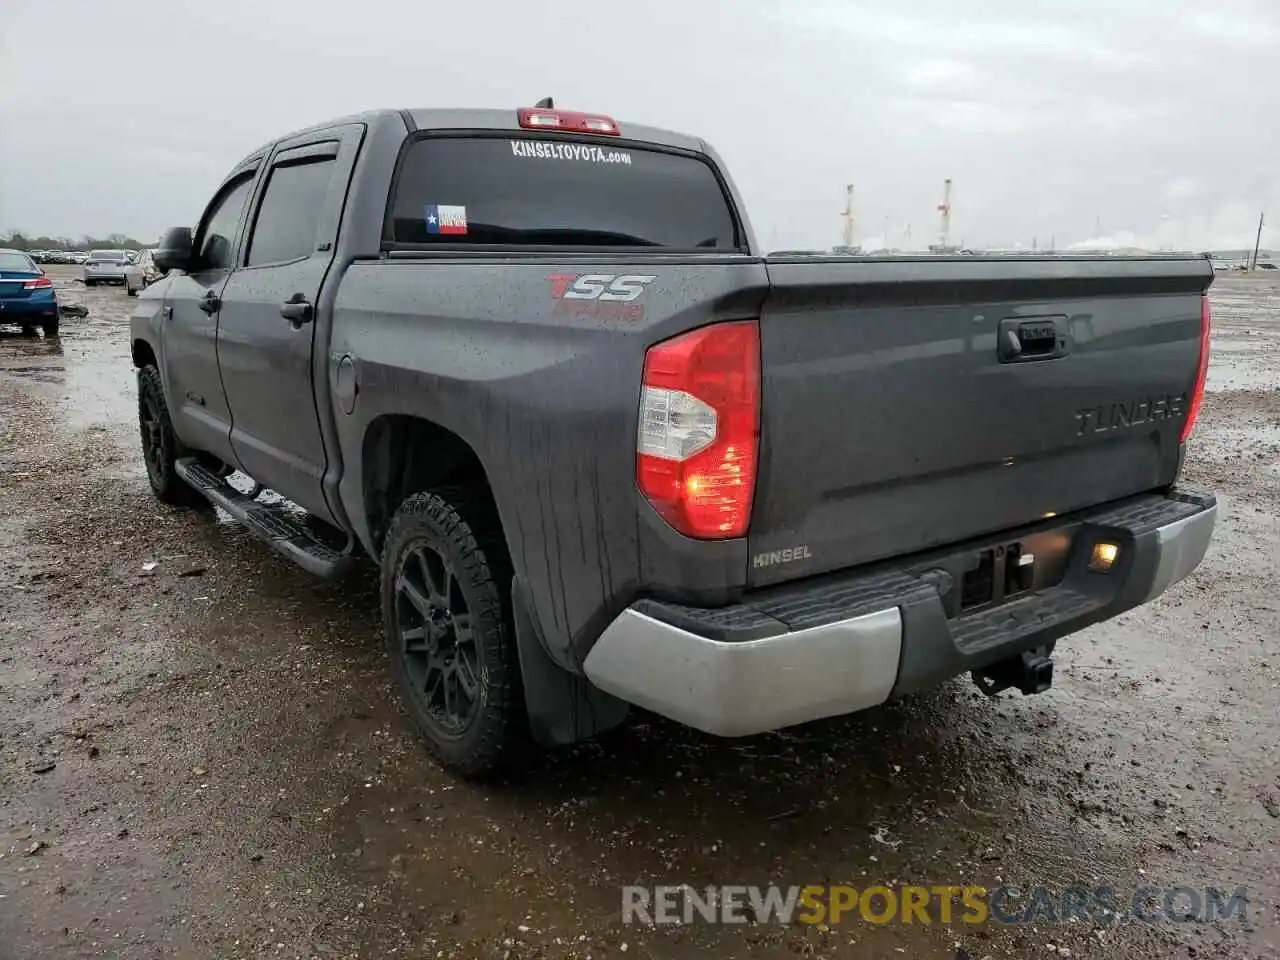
[[297, 310], [1024, 339], [210, 303]]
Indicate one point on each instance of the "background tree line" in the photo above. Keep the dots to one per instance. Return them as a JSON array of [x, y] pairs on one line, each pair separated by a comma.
[[17, 240]]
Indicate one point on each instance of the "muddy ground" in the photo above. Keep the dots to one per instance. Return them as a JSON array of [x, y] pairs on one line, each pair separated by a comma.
[[204, 759]]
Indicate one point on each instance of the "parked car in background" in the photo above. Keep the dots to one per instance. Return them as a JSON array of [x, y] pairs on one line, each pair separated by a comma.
[[27, 298], [141, 273], [105, 266]]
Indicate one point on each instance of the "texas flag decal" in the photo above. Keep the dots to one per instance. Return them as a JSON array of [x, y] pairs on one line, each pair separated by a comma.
[[445, 219]]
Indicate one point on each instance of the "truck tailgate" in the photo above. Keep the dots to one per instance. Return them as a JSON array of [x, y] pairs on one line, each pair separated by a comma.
[[911, 403]]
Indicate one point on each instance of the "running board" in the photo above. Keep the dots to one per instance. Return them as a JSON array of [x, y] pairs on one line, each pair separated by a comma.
[[275, 523]]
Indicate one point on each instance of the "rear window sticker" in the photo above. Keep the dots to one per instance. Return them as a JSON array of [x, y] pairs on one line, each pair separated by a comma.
[[445, 219]]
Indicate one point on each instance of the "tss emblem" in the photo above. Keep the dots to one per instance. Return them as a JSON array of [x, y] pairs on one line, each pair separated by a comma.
[[598, 286]]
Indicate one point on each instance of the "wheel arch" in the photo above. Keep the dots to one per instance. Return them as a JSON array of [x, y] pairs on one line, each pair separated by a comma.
[[403, 454], [144, 355]]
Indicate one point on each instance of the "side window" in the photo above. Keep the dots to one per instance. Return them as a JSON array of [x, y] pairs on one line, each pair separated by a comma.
[[217, 244], [290, 212]]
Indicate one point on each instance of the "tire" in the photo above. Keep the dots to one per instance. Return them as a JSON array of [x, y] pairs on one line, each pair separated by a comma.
[[50, 327], [160, 446], [129, 291], [454, 557], [90, 283]]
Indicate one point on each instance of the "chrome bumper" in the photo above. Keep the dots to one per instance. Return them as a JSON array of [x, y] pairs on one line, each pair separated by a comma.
[[734, 689], [1182, 545]]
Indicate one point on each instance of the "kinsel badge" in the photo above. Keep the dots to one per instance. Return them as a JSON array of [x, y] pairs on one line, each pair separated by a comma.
[[772, 558]]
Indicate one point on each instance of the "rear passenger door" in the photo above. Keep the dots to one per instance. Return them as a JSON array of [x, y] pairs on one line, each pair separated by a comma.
[[271, 307]]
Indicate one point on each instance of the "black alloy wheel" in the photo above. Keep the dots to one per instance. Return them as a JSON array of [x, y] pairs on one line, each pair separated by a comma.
[[437, 640], [446, 613], [160, 447]]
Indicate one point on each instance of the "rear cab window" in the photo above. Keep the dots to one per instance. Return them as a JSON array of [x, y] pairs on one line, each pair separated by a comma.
[[108, 255], [535, 191]]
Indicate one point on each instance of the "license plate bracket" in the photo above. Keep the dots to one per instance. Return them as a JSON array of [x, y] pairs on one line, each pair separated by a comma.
[[996, 575]]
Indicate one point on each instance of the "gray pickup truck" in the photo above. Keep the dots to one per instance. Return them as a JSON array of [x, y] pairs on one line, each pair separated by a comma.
[[607, 454]]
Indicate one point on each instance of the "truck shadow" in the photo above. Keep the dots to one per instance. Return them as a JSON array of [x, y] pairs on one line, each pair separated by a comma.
[[930, 787]]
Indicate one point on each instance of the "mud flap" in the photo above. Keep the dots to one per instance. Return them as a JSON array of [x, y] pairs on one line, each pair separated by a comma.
[[563, 707]]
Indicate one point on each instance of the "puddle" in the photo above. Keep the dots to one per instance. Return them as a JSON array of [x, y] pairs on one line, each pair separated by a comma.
[[87, 369]]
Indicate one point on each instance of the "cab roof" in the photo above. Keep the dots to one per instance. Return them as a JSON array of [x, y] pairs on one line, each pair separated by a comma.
[[435, 118], [450, 119]]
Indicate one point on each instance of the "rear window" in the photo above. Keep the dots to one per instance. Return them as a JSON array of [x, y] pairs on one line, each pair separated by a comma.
[[107, 255], [526, 191], [16, 261]]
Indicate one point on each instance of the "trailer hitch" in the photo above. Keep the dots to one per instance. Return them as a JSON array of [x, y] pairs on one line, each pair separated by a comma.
[[1030, 671]]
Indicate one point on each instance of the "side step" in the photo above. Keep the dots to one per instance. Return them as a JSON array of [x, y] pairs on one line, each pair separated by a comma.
[[272, 522]]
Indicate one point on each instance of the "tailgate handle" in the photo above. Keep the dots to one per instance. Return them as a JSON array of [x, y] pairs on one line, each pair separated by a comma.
[[1023, 339]]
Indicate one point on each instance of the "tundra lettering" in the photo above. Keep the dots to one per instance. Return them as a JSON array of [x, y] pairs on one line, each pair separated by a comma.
[[1119, 416]]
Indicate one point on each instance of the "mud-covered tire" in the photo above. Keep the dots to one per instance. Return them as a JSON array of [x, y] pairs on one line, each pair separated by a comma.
[[495, 739], [160, 446], [50, 327]]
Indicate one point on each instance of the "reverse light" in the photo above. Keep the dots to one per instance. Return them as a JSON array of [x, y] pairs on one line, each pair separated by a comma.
[[698, 441], [1197, 396], [38, 283], [1103, 557], [538, 118]]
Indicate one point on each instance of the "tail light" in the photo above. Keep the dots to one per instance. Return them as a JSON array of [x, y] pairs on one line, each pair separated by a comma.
[[699, 436], [1197, 397], [537, 118], [39, 283]]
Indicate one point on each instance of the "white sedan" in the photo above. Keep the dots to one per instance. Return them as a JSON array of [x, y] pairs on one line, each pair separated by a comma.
[[105, 266], [140, 274]]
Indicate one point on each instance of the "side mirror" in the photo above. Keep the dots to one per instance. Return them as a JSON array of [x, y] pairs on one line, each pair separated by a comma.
[[174, 252]]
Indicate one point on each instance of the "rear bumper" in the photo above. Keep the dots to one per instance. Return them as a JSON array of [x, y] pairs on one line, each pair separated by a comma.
[[842, 643], [15, 309]]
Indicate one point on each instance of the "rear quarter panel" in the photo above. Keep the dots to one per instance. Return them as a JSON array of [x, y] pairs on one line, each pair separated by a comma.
[[548, 399]]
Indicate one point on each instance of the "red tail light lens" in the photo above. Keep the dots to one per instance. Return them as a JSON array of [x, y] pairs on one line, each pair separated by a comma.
[[699, 436], [39, 283], [1197, 397]]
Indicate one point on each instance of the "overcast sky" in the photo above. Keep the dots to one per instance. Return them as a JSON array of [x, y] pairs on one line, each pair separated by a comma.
[[1149, 121]]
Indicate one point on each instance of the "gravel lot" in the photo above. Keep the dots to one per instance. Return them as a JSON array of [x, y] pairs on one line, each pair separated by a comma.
[[204, 759]]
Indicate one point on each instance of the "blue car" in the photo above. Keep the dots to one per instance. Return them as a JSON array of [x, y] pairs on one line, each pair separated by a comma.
[[26, 294]]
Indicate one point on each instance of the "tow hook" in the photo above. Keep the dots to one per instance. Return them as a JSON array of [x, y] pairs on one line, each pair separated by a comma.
[[1030, 671]]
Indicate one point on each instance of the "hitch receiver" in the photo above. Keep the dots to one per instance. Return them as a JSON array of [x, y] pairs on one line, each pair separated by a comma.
[[1031, 672]]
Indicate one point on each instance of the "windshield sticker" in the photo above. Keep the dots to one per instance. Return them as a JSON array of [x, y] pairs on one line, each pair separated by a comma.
[[442, 218], [589, 153]]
